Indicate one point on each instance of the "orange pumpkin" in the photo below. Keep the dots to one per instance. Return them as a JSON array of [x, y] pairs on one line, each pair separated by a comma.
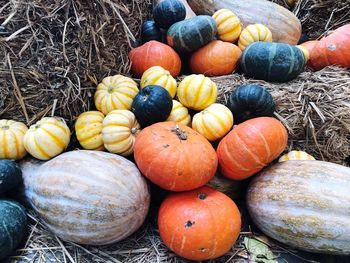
[[154, 53], [175, 157], [309, 45], [215, 59], [201, 224], [250, 146]]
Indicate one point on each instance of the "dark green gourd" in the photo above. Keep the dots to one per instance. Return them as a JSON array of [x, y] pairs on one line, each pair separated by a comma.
[[168, 12], [10, 175], [150, 31]]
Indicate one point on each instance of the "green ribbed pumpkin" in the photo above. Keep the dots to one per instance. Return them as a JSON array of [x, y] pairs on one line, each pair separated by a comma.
[[275, 62]]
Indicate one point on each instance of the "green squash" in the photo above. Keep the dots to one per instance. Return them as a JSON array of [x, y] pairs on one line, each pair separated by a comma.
[[10, 175]]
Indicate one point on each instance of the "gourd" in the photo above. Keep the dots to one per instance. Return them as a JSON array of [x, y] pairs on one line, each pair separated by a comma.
[[11, 137], [168, 12], [197, 92], [88, 129], [215, 59], [190, 34], [150, 31], [10, 175], [284, 25], [250, 146], [250, 101], [115, 93], [272, 61], [88, 197], [254, 33], [303, 204], [189, 12], [119, 131], [47, 138], [154, 53], [296, 156], [152, 104], [305, 51], [200, 225], [164, 154], [157, 75], [228, 24], [213, 122], [180, 114]]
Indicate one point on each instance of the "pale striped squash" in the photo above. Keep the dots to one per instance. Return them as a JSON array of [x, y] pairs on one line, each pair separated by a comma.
[[179, 113], [254, 33], [11, 138], [296, 156], [228, 24]]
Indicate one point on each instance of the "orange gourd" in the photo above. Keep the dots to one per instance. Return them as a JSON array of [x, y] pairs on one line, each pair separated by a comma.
[[250, 146], [215, 59], [154, 53], [174, 156], [199, 225]]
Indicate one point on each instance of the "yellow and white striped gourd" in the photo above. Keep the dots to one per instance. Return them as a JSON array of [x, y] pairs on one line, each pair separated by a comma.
[[11, 139], [115, 93], [254, 33], [214, 122], [120, 129], [296, 156], [228, 24], [179, 113]]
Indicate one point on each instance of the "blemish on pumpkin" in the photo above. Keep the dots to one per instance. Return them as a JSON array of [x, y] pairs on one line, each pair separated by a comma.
[[202, 196], [332, 47], [202, 249], [189, 224], [166, 145]]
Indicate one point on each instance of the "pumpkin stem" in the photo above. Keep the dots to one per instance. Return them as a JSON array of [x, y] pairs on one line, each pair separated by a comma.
[[181, 134], [134, 130]]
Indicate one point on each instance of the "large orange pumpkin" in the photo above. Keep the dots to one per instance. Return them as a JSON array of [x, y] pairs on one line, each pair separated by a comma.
[[250, 146], [175, 157], [215, 59], [199, 225], [154, 53]]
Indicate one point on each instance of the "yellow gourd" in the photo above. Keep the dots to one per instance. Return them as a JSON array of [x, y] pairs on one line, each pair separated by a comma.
[[254, 33], [179, 113], [295, 156], [228, 24]]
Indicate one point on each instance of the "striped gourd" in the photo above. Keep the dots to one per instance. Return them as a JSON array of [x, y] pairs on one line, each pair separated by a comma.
[[47, 138], [11, 138], [88, 197], [254, 33], [303, 204], [228, 24], [296, 156], [179, 113]]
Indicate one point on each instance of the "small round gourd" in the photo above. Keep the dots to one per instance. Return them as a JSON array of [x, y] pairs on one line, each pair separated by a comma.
[[88, 129], [197, 92], [115, 93], [296, 156], [213, 122], [254, 33], [157, 75], [11, 138], [179, 113], [47, 138], [228, 24], [10, 175], [168, 12], [119, 132], [150, 31]]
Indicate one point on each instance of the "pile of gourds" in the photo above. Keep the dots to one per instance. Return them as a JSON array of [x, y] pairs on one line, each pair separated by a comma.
[[172, 128]]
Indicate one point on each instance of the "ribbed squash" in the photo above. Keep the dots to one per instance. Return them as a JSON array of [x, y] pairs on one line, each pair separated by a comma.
[[119, 132], [197, 92], [254, 33], [88, 197], [88, 129], [47, 138], [179, 113], [296, 156], [149, 31], [168, 12], [303, 204], [10, 175], [228, 24], [213, 122], [11, 138], [157, 75], [189, 11], [115, 93]]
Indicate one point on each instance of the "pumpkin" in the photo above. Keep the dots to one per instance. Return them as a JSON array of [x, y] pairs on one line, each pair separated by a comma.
[[171, 155], [189, 11], [13, 226], [250, 101], [197, 92], [215, 59], [332, 49], [250, 146], [179, 113], [213, 122], [150, 31], [10, 175], [47, 138], [303, 204], [198, 225], [190, 34], [168, 12], [228, 24], [152, 104], [305, 52], [120, 129], [254, 33], [115, 93], [11, 137], [272, 61], [154, 53], [88, 129], [296, 156], [157, 75], [284, 25], [88, 197]]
